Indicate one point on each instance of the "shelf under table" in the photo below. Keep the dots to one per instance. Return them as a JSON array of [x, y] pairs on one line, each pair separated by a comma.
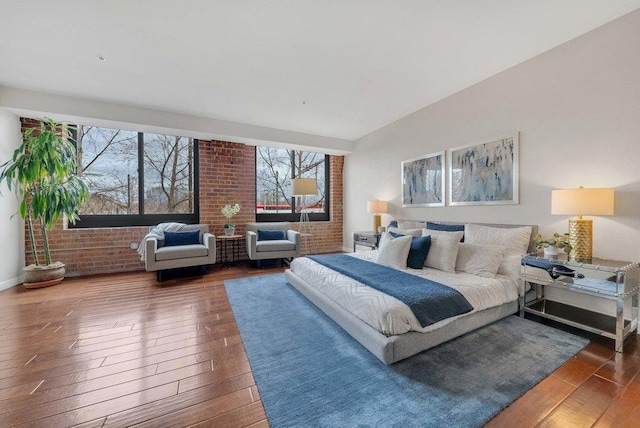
[[577, 317]]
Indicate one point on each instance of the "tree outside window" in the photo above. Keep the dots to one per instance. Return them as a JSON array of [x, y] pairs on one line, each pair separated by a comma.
[[168, 178], [108, 160]]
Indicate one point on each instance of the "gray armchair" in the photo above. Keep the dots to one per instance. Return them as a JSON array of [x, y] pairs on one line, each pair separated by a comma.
[[272, 249], [158, 257]]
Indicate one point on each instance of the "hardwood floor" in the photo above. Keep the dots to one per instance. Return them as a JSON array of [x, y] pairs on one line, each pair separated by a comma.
[[596, 388], [122, 350]]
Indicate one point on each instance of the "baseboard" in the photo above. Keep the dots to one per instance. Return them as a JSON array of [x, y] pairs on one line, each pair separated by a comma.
[[11, 282]]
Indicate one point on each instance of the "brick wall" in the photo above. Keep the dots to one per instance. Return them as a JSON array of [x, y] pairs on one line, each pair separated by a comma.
[[227, 175]]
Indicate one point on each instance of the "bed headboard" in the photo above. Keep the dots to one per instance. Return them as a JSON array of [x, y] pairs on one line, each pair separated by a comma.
[[534, 228]]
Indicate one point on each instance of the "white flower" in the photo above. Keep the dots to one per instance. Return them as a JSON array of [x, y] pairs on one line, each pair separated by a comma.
[[229, 211]]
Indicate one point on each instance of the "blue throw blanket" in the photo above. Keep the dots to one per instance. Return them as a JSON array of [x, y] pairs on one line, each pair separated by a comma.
[[430, 301]]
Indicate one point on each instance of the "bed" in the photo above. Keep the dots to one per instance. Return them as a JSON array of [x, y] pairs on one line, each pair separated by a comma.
[[386, 326]]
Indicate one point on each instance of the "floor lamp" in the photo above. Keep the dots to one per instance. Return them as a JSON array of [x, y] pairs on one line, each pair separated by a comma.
[[594, 201], [303, 187]]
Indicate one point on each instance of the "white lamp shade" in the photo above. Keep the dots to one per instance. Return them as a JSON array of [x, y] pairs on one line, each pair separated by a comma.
[[582, 201], [377, 207], [304, 187]]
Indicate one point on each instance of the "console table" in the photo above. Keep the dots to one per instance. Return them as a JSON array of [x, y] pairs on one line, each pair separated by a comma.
[[601, 279]]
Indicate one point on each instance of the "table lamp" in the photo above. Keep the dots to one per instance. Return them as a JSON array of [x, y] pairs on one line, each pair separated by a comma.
[[377, 207], [582, 201]]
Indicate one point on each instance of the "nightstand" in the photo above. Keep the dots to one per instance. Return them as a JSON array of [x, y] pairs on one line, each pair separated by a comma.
[[366, 239], [601, 281]]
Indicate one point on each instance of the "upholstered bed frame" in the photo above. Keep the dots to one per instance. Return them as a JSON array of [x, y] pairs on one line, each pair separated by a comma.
[[390, 349]]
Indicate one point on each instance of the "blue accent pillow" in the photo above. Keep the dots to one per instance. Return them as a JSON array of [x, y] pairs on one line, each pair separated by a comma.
[[172, 239], [270, 235], [393, 224], [446, 228], [418, 250]]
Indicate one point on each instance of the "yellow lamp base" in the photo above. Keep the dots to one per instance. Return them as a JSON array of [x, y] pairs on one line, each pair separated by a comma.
[[377, 222], [581, 239]]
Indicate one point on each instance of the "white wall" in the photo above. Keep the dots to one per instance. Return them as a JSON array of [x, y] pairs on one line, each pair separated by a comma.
[[11, 229], [577, 108], [99, 113]]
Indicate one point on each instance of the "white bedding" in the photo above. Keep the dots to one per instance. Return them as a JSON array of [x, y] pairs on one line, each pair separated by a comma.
[[389, 315]]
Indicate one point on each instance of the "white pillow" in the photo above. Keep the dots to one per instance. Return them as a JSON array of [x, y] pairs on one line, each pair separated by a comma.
[[481, 260], [443, 251], [514, 242], [514, 239], [394, 251], [458, 234], [410, 224], [412, 232], [510, 265]]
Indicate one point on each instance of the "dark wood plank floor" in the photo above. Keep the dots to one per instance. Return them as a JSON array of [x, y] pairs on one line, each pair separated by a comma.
[[122, 350]]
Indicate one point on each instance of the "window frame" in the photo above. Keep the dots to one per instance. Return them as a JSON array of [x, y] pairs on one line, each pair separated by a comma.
[[87, 221], [293, 216]]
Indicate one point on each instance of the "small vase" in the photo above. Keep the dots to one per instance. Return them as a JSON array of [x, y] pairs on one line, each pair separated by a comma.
[[228, 231], [551, 252]]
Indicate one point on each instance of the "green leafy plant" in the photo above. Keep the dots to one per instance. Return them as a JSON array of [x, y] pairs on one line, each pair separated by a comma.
[[42, 173], [557, 240]]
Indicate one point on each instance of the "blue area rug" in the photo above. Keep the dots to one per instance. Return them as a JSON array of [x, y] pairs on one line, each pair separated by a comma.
[[310, 372]]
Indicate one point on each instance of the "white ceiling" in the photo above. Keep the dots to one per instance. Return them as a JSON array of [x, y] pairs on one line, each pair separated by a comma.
[[334, 68]]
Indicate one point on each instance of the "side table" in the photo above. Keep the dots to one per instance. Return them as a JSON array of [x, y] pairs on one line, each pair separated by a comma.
[[610, 280], [366, 239], [222, 241]]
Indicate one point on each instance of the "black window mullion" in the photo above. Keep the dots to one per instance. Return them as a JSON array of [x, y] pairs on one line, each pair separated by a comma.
[[327, 187], [140, 173], [292, 160]]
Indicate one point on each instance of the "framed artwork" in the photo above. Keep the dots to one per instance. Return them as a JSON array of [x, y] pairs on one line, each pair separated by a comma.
[[485, 173], [423, 181]]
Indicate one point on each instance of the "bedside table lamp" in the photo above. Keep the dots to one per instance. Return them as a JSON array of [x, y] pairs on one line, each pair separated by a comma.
[[582, 201], [377, 207]]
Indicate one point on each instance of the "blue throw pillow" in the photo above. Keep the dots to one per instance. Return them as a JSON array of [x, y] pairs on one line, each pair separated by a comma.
[[418, 250], [172, 239], [393, 223], [270, 235], [446, 228]]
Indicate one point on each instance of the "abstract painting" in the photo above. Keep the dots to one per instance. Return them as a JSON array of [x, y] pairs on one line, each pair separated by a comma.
[[423, 181], [485, 173]]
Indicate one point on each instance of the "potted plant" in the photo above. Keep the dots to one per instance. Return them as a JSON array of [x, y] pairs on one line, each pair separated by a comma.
[[42, 173], [229, 211], [550, 245]]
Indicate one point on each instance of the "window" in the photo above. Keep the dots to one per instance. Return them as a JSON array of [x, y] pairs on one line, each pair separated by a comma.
[[275, 168], [135, 178]]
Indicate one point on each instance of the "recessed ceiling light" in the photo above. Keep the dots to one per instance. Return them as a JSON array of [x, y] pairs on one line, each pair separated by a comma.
[[100, 58]]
